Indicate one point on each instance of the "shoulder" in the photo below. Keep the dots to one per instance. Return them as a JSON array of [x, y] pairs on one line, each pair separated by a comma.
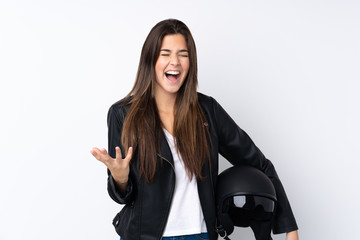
[[205, 100], [124, 103], [119, 109], [203, 97], [212, 109], [208, 103]]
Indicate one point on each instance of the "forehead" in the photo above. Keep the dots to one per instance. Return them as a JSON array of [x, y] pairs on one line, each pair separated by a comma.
[[176, 41]]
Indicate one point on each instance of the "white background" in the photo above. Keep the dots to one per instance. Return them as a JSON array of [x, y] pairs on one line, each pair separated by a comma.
[[286, 71]]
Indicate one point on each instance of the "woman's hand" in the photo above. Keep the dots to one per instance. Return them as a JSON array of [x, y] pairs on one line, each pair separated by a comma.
[[118, 166], [292, 235]]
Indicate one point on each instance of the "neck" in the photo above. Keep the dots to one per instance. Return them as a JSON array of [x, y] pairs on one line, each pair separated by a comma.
[[165, 102]]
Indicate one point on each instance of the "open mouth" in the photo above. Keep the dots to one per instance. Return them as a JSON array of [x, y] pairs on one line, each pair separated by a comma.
[[172, 76]]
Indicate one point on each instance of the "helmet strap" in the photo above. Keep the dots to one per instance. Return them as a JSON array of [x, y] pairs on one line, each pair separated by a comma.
[[222, 232]]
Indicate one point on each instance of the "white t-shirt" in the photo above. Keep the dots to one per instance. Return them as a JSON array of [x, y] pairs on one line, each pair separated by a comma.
[[186, 216]]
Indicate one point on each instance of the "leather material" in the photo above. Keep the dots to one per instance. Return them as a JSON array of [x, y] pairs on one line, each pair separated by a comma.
[[147, 206]]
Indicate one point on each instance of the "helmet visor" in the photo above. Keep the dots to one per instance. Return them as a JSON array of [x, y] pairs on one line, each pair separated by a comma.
[[252, 203], [244, 209]]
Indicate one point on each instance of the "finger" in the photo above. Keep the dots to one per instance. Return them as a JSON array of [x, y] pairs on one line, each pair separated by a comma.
[[129, 155], [95, 152], [118, 153], [103, 151], [92, 151], [99, 155]]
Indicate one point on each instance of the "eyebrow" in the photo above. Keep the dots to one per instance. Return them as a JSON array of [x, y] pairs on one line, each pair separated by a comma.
[[167, 50]]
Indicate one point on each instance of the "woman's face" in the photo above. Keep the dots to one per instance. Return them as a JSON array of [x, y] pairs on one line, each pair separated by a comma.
[[172, 65]]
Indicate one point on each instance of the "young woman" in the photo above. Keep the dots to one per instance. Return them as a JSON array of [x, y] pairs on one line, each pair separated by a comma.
[[164, 138]]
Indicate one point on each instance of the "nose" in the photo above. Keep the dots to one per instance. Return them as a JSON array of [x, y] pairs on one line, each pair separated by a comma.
[[174, 60]]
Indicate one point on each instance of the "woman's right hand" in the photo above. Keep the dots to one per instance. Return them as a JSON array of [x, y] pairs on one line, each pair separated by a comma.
[[118, 166]]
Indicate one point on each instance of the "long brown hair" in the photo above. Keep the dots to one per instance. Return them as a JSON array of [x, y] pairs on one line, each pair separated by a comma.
[[142, 126]]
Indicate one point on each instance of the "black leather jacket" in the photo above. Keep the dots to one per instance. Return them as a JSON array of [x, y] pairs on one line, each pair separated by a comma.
[[147, 205]]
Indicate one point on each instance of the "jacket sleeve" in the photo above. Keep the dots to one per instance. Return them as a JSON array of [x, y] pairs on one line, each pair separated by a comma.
[[237, 147], [115, 120]]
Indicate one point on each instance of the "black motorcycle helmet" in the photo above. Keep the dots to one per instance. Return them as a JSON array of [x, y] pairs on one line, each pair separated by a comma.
[[245, 197]]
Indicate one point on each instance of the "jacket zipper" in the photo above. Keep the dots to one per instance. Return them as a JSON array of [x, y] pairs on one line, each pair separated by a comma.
[[167, 161], [172, 193]]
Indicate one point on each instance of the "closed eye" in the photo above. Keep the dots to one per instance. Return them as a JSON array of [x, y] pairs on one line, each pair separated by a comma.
[[181, 53]]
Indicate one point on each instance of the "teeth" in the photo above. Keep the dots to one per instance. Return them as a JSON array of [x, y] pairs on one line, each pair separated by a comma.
[[173, 72]]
